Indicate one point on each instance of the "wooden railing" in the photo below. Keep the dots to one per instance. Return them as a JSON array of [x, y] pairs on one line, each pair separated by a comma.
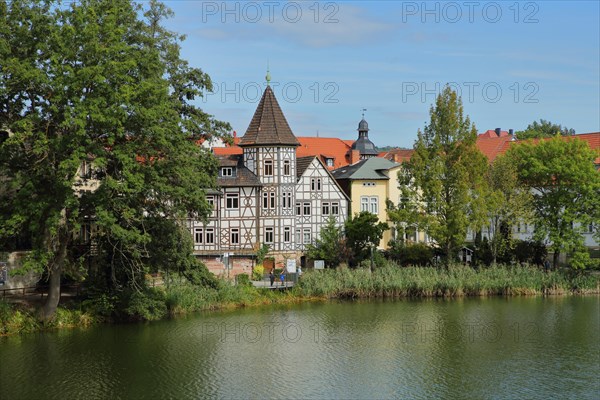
[[40, 290]]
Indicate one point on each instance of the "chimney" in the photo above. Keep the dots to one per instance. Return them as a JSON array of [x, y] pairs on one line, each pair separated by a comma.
[[511, 132], [498, 132], [234, 134], [354, 156]]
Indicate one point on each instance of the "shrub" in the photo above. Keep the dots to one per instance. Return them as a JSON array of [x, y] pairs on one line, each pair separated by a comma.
[[102, 305], [411, 254], [258, 272], [532, 252], [243, 280], [146, 305]]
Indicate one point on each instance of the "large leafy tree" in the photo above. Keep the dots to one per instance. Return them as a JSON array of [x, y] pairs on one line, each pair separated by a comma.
[[101, 82], [544, 129], [363, 233], [445, 177], [509, 203], [330, 246], [565, 187]]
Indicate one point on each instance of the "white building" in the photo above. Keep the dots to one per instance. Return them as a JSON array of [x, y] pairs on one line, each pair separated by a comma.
[[267, 196]]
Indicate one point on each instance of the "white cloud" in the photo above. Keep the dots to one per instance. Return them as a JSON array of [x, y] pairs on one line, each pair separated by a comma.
[[344, 25]]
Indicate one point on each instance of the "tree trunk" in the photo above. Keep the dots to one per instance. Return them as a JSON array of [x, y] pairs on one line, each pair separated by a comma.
[[47, 311], [555, 259], [448, 258]]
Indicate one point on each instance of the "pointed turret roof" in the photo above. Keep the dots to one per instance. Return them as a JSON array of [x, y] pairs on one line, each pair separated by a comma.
[[268, 125]]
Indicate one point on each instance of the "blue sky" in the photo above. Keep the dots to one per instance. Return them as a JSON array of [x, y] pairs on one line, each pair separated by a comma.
[[513, 62]]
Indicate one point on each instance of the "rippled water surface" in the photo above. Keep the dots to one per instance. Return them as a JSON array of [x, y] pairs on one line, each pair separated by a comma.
[[535, 348]]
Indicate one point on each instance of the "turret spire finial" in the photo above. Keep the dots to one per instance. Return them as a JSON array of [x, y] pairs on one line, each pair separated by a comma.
[[268, 77], [363, 112]]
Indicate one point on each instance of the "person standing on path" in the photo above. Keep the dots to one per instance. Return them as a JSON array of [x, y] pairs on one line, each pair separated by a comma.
[[272, 277]]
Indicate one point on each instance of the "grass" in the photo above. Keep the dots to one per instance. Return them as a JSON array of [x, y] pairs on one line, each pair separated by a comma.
[[388, 281], [456, 281], [19, 318]]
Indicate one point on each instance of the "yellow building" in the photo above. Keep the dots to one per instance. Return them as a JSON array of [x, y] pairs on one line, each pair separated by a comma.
[[370, 183]]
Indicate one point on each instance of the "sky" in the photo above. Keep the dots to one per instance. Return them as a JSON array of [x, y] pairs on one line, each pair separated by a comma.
[[512, 62]]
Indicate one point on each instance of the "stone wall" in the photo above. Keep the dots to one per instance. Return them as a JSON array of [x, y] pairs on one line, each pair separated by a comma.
[[12, 262], [240, 265]]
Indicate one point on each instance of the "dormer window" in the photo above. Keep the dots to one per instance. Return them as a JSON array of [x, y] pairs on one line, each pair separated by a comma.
[[329, 162], [227, 172]]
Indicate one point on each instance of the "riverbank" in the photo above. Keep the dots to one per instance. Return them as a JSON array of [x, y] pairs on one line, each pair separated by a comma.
[[389, 281]]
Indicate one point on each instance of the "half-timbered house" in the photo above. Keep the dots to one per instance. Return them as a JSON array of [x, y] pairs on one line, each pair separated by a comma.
[[266, 195]]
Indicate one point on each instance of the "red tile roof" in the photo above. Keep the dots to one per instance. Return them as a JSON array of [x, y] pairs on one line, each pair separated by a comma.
[[593, 139], [397, 155], [325, 147], [491, 147], [491, 133], [227, 151]]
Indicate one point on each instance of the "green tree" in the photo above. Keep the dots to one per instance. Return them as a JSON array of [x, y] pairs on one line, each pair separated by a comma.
[[543, 129], [445, 177], [509, 203], [363, 234], [565, 187], [330, 246], [101, 82]]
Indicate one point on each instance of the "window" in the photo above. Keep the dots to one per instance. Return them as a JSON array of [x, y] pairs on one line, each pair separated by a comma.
[[298, 209], [306, 236], [315, 184], [368, 183], [329, 162], [286, 167], [364, 203], [232, 201], [211, 201], [235, 235], [210, 236], [198, 235], [269, 234], [85, 171], [590, 228], [325, 208], [227, 171], [268, 167], [369, 204], [298, 232], [306, 208], [287, 199], [85, 233], [335, 208], [268, 200], [374, 205], [287, 234]]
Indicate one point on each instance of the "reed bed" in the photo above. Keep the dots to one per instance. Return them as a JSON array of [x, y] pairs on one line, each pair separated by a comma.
[[388, 281], [454, 281]]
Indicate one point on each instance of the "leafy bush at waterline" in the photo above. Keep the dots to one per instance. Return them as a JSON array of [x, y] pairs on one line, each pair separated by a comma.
[[16, 319], [457, 280]]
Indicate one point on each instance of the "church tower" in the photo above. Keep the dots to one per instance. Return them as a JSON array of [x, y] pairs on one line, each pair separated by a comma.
[[363, 144]]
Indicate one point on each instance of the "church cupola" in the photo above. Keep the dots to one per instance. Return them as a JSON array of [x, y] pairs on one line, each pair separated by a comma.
[[363, 144]]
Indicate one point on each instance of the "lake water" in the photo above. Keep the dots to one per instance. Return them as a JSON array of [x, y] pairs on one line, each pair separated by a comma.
[[495, 348]]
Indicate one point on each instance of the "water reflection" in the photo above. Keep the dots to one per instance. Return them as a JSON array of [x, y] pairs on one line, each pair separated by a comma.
[[467, 348]]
